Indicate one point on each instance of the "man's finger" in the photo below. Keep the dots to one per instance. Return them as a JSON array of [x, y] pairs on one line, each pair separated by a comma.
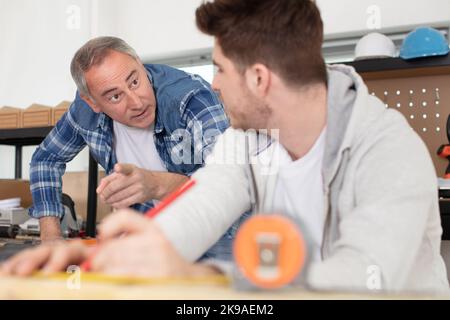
[[31, 261], [110, 253], [120, 256], [114, 187], [124, 168], [105, 181], [127, 202], [11, 265], [2, 273], [65, 255], [8, 266], [123, 221], [131, 192]]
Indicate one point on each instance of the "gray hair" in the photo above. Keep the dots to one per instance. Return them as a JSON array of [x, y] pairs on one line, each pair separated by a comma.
[[93, 53]]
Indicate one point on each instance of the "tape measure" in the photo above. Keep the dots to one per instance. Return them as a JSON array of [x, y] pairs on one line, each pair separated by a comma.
[[270, 251], [90, 277]]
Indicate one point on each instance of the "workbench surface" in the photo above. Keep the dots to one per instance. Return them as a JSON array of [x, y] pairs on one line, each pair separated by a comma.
[[89, 286], [32, 288]]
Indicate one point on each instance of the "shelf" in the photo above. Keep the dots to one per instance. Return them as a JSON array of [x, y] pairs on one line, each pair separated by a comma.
[[387, 64], [34, 136], [23, 136]]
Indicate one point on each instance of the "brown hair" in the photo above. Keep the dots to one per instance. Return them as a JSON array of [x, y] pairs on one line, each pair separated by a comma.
[[285, 35]]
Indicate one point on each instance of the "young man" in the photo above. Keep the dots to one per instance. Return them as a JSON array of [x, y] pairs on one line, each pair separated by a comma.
[[149, 126], [337, 163]]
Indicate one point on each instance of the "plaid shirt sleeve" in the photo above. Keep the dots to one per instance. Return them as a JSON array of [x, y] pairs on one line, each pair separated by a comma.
[[205, 121], [48, 165]]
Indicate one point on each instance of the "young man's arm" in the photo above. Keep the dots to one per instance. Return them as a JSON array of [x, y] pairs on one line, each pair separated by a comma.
[[197, 220], [46, 170]]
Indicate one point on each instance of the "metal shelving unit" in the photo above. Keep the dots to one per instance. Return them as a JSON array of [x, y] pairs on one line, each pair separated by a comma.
[[34, 136]]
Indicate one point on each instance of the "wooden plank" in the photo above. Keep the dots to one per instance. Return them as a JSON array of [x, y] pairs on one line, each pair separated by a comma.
[[41, 288]]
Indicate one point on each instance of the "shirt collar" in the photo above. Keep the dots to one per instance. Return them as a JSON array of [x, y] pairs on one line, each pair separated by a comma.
[[101, 121], [159, 126]]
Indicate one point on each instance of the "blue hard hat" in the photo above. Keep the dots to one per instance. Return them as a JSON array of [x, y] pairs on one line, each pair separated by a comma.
[[424, 42]]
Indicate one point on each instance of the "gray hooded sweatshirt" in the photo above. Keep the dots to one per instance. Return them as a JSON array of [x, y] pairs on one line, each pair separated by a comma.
[[380, 195]]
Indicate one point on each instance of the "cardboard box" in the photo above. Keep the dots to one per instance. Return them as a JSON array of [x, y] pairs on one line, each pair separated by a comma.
[[10, 118], [10, 188], [37, 115], [59, 110]]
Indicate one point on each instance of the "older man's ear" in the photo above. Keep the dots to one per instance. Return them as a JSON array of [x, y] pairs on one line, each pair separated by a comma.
[[91, 103]]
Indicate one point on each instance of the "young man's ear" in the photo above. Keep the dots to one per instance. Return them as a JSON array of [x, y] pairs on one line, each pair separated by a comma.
[[91, 103], [258, 79]]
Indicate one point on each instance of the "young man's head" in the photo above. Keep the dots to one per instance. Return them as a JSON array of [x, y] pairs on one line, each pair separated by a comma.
[[256, 43], [111, 78]]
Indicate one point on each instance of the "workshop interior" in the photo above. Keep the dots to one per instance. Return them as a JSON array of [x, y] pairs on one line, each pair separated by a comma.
[[399, 48]]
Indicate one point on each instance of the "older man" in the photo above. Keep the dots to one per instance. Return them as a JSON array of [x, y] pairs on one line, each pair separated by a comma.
[[149, 126]]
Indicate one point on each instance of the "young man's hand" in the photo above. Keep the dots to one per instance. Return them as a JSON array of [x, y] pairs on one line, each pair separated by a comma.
[[129, 185], [130, 244], [50, 258], [134, 245]]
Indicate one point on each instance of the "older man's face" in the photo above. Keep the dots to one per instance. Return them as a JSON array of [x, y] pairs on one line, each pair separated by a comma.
[[120, 88]]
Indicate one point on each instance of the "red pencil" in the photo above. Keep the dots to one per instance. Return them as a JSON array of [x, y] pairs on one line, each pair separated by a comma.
[[153, 212], [169, 199]]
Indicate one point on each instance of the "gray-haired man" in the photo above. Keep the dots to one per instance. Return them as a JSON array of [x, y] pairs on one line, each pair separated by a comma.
[[149, 126]]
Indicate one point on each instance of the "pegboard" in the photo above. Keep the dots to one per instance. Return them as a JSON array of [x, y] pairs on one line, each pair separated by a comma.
[[423, 97]]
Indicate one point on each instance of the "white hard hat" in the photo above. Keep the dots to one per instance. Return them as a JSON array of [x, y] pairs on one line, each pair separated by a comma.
[[374, 45]]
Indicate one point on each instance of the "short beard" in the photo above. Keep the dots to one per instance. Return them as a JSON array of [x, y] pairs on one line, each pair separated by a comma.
[[259, 116], [255, 115]]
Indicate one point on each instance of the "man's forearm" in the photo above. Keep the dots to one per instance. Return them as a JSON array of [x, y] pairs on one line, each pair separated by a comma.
[[50, 228], [167, 182]]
